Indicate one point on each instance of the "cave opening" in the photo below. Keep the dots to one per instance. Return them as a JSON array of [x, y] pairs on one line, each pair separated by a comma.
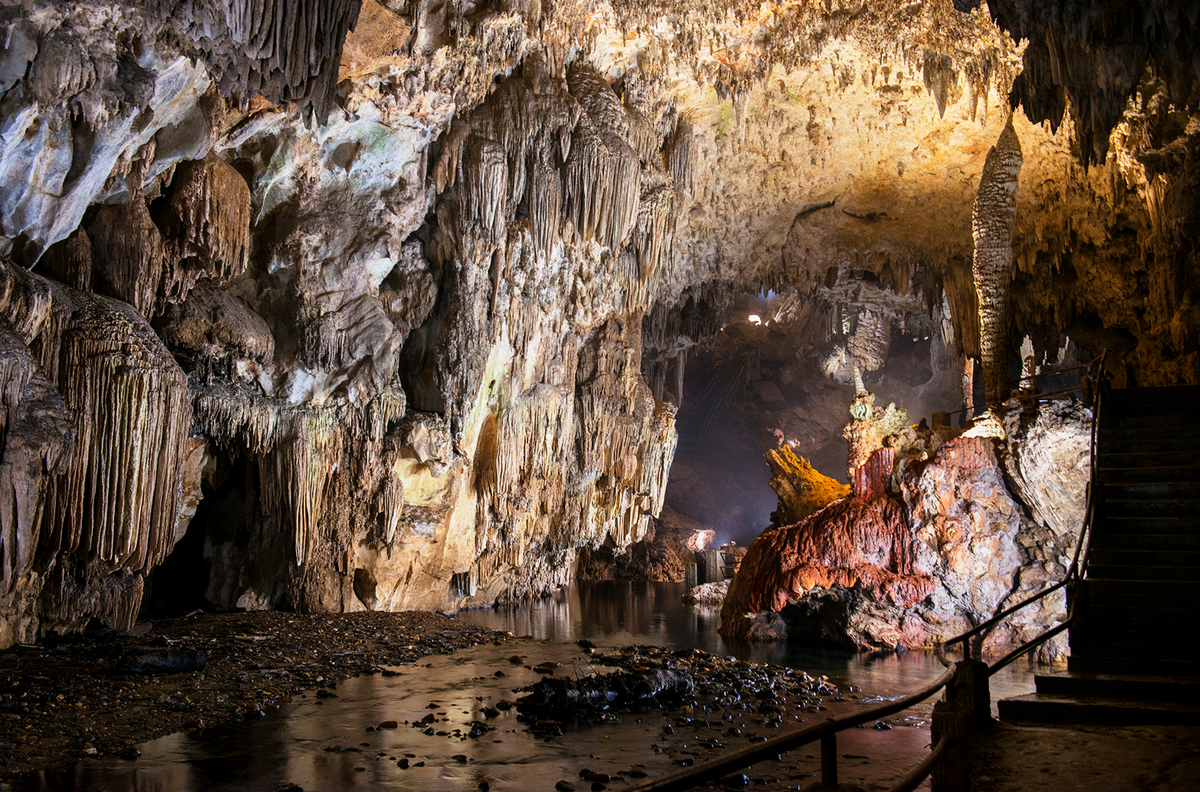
[[784, 368], [188, 580]]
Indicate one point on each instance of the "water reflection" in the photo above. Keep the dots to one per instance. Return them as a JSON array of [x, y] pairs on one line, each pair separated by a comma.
[[331, 744], [617, 613]]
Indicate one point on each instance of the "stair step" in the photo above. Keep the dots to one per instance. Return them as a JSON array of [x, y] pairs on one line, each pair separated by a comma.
[[1179, 396], [1114, 474], [1145, 558], [1139, 638], [1172, 443], [1120, 686], [1162, 619], [1156, 573], [1165, 543], [1055, 708], [1175, 589], [1176, 507], [1116, 413], [1129, 660], [1140, 425], [1181, 457], [1125, 665], [1160, 490], [1101, 600], [1111, 524]]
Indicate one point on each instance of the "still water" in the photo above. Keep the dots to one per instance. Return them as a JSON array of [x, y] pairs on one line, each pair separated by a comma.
[[335, 743], [619, 613]]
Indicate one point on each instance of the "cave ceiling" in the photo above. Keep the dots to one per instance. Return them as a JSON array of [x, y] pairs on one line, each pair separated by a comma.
[[397, 263]]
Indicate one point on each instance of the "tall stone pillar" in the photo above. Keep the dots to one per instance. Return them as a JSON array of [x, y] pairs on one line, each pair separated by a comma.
[[992, 223]]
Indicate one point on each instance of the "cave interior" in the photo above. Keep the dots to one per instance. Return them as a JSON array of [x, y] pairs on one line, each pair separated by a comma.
[[338, 306]]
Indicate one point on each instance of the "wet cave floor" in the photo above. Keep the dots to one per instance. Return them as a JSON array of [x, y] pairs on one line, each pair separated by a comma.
[[413, 701]]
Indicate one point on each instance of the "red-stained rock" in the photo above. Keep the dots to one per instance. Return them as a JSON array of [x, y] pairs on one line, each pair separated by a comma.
[[872, 477], [852, 542], [909, 568]]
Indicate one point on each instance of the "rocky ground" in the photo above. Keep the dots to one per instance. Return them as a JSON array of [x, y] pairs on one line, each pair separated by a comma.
[[74, 699], [94, 695]]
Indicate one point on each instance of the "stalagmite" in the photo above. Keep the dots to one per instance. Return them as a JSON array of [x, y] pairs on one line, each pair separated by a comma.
[[992, 223]]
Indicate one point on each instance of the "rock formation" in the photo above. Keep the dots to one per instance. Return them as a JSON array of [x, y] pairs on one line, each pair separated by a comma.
[[384, 304], [801, 488], [933, 549], [992, 221]]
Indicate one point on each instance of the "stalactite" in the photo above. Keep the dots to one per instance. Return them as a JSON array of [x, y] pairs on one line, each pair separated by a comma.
[[203, 232], [285, 50], [207, 222], [1092, 56], [119, 499], [391, 502], [116, 500], [76, 592], [992, 222], [294, 480], [487, 188], [871, 340], [545, 203], [35, 441], [941, 79], [232, 414], [652, 239], [602, 172], [681, 155], [130, 254], [601, 187], [70, 261]]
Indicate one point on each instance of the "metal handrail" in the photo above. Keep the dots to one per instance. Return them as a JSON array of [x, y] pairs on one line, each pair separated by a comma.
[[1041, 374], [1082, 545], [1006, 612], [918, 774], [826, 731]]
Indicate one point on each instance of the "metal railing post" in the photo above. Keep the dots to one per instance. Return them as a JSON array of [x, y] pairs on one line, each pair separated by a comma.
[[829, 773], [967, 704]]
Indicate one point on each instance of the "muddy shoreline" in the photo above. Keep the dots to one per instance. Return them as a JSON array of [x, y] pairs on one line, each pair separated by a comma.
[[69, 699]]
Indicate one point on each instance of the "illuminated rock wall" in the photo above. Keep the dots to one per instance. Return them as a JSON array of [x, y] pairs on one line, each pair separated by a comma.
[[943, 548], [363, 288]]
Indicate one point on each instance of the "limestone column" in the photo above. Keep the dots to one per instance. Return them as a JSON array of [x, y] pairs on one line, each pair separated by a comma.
[[992, 223]]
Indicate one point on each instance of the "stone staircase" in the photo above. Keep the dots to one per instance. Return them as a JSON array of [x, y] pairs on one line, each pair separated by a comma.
[[1134, 656]]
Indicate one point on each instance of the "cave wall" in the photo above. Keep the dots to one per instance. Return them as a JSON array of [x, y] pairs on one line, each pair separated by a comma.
[[426, 275]]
